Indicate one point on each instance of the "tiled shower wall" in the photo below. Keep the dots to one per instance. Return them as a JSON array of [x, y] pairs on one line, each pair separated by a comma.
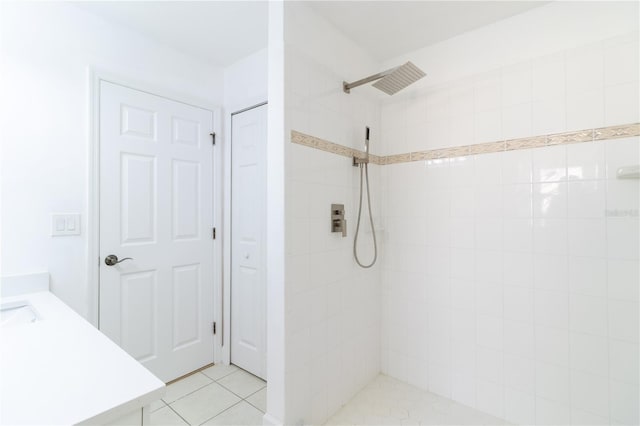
[[332, 306], [510, 280]]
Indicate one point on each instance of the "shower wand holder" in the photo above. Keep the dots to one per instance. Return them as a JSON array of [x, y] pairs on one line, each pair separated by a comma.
[[357, 161]]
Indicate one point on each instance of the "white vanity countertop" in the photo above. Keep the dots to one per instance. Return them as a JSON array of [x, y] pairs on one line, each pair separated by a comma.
[[62, 370]]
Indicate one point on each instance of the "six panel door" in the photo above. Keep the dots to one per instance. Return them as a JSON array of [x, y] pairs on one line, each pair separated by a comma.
[[156, 207]]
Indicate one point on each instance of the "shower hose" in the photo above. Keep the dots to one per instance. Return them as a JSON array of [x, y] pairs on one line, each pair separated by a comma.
[[365, 169]]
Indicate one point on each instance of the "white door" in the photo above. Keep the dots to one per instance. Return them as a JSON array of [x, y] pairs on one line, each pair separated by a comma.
[[156, 207], [248, 278]]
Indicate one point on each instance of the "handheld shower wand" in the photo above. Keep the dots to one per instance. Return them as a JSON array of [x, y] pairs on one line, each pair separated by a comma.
[[363, 163]]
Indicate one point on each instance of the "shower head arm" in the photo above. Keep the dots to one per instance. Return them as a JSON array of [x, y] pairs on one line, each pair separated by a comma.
[[346, 87]]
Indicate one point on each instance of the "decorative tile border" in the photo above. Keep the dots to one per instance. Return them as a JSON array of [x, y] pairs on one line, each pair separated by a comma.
[[589, 135], [334, 148]]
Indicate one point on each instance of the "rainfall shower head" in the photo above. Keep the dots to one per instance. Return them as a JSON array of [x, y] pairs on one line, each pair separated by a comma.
[[390, 81]]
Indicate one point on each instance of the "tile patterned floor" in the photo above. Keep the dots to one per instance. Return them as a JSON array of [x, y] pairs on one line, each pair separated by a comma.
[[227, 395], [218, 395], [387, 401]]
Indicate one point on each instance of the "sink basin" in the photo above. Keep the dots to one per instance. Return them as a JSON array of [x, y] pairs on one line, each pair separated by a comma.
[[19, 312]]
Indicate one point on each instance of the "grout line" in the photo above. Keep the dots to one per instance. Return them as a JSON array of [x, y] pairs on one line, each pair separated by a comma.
[[223, 411], [222, 377], [178, 414], [187, 394]]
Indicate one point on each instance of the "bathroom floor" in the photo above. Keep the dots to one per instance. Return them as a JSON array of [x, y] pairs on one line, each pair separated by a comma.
[[218, 395], [387, 401]]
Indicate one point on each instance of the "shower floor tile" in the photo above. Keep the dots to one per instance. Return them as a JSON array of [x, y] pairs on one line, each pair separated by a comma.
[[387, 401]]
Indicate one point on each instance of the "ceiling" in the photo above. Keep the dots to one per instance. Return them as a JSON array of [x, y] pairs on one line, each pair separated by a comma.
[[218, 32], [386, 29], [223, 32]]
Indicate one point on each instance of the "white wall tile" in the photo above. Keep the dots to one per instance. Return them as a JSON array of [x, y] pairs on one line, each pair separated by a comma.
[[618, 152], [519, 407], [519, 339], [490, 332], [550, 236], [623, 241], [588, 275], [585, 110], [586, 160], [489, 365], [518, 235], [489, 298], [589, 353], [519, 373], [586, 199], [516, 84], [588, 314], [550, 272], [464, 389], [488, 233], [550, 412], [518, 303], [589, 392], [587, 237], [620, 62], [516, 121], [622, 280], [548, 77], [623, 400], [548, 116], [488, 169], [550, 200], [517, 166], [490, 398], [584, 69], [487, 126], [623, 195], [529, 261], [551, 308], [487, 92], [518, 269], [624, 360], [552, 345], [550, 164], [580, 417], [621, 104], [552, 382], [623, 320]]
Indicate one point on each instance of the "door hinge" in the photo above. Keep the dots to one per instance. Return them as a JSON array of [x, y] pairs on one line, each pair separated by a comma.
[[214, 233], [214, 328], [213, 137]]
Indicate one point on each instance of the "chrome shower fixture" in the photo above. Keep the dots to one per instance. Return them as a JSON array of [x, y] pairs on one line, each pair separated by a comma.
[[390, 81]]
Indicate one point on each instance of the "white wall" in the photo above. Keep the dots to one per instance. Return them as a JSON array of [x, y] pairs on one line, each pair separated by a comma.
[[560, 67], [509, 284], [46, 49], [332, 306], [245, 85], [245, 82], [276, 293]]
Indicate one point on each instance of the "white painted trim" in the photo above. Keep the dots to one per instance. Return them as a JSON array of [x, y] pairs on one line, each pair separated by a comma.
[[269, 420], [94, 77]]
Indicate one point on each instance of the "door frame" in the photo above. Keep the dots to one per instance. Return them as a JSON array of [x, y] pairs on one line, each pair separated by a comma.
[[226, 289], [94, 77]]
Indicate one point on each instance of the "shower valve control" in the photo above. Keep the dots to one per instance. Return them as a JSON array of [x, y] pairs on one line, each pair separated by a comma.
[[338, 223]]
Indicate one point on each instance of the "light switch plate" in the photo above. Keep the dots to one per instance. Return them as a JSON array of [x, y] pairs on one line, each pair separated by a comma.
[[63, 225]]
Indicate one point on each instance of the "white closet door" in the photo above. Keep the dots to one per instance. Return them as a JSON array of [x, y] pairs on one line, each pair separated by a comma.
[[156, 207], [248, 275]]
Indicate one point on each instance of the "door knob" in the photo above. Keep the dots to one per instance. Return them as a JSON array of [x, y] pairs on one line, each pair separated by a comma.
[[112, 259]]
